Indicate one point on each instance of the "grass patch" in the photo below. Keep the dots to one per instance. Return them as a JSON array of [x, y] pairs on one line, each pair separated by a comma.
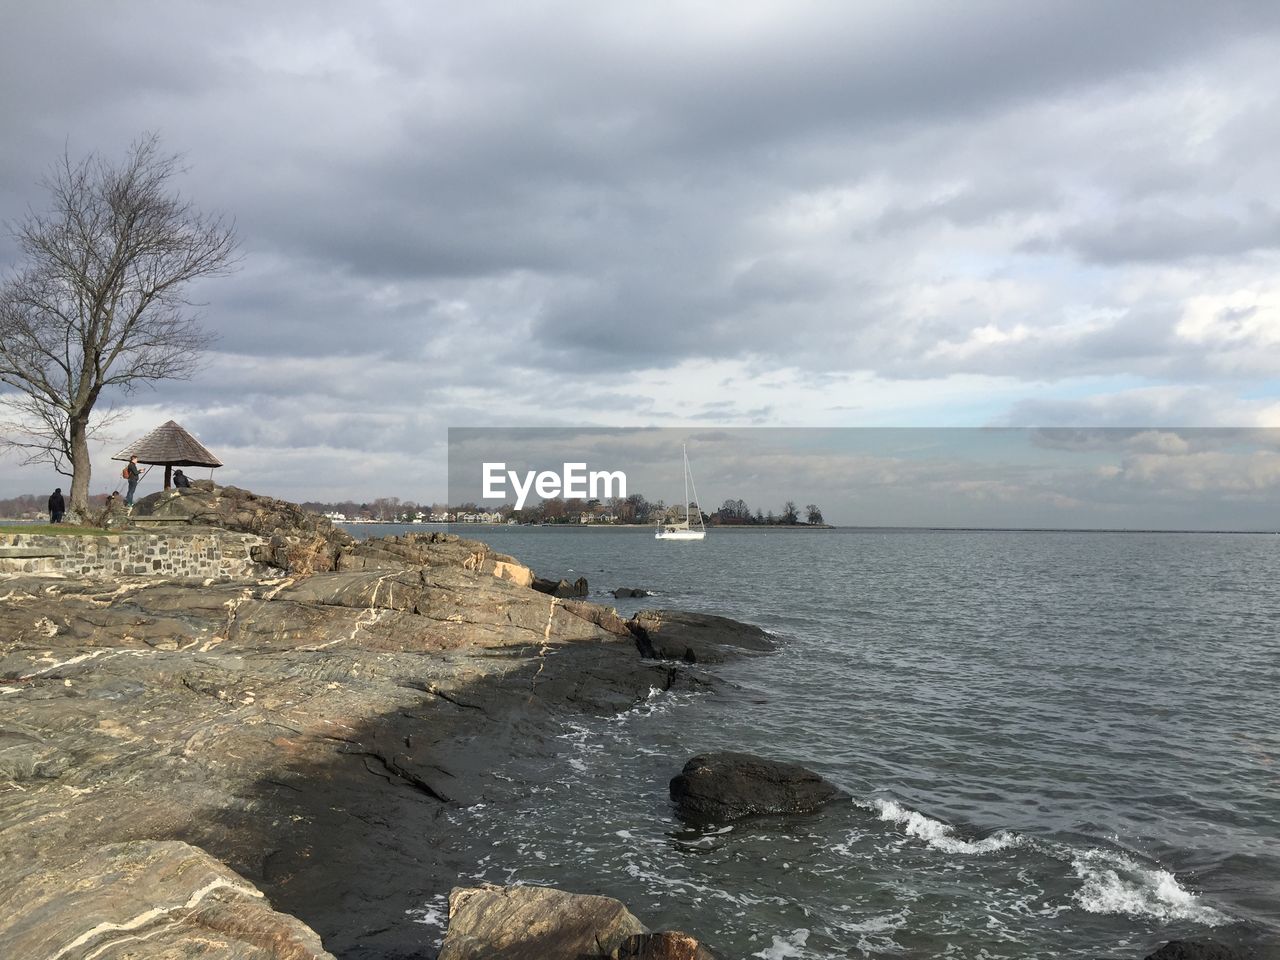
[[59, 529]]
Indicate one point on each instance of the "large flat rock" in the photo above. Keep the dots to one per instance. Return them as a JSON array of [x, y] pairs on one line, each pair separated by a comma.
[[305, 735], [145, 900]]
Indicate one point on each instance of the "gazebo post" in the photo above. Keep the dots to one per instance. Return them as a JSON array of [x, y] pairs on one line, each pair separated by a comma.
[[168, 475]]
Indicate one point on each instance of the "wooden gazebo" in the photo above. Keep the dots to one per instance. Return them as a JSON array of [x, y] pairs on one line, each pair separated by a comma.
[[170, 446]]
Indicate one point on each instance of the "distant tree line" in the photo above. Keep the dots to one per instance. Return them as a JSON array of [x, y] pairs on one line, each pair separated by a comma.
[[635, 508], [737, 513]]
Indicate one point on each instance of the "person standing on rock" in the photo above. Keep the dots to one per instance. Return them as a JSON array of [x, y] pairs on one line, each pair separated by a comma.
[[181, 480], [131, 474], [57, 506]]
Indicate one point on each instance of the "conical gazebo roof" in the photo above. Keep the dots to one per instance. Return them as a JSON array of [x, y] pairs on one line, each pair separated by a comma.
[[170, 446]]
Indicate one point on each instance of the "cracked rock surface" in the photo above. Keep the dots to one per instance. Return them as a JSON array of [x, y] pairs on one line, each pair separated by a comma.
[[186, 767]]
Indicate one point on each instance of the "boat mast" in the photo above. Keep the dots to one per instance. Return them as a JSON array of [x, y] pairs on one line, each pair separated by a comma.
[[688, 517], [688, 476]]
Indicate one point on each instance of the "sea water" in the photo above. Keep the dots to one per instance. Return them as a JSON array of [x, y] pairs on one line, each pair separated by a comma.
[[1058, 744]]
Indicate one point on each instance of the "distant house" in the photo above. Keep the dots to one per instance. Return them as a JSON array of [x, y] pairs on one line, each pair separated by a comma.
[[479, 517]]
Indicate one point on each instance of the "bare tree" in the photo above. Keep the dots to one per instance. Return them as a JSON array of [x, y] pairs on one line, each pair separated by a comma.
[[387, 508], [99, 302], [813, 513]]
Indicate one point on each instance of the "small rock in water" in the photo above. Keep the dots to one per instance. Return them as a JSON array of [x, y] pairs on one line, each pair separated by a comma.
[[1195, 950], [562, 587], [532, 923], [719, 787], [630, 592]]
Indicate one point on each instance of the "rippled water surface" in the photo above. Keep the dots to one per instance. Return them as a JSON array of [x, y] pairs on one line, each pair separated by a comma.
[[1059, 744]]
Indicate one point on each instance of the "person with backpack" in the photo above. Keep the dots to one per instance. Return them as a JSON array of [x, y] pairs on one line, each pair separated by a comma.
[[57, 506], [131, 474]]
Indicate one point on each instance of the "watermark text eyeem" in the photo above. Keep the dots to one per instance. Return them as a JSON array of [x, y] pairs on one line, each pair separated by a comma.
[[574, 482]]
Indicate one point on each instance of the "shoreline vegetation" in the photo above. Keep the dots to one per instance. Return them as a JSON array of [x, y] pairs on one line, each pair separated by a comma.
[[267, 766], [29, 525], [801, 527], [633, 510], [29, 509], [26, 525]]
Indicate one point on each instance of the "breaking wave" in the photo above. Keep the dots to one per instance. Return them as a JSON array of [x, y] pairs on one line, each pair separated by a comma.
[[940, 835], [1113, 883]]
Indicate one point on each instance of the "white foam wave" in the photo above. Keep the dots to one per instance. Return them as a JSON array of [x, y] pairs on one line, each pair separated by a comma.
[[1115, 884], [884, 923], [873, 936], [434, 913], [655, 703], [791, 946], [938, 835], [656, 874]]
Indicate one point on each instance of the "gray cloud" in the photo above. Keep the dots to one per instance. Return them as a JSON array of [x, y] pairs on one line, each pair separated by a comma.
[[1165, 235], [609, 214]]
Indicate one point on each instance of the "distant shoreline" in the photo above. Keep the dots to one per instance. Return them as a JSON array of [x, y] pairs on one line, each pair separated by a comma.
[[806, 528], [778, 528]]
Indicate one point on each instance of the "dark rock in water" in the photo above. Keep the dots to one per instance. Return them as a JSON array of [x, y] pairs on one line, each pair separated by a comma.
[[719, 787], [630, 592], [561, 588], [696, 637], [533, 923], [1196, 950], [667, 945]]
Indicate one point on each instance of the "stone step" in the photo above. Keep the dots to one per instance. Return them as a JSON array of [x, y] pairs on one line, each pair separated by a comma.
[[24, 553]]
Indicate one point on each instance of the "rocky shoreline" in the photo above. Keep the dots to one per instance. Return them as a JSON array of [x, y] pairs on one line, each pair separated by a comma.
[[265, 766], [294, 735]]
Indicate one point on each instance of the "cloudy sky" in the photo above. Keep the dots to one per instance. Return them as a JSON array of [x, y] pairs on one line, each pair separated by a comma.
[[767, 214]]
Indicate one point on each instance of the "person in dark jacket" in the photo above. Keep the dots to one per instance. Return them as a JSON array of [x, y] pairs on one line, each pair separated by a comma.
[[131, 474], [57, 506], [181, 480]]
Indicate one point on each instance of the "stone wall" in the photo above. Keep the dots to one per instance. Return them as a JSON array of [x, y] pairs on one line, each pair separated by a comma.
[[205, 553]]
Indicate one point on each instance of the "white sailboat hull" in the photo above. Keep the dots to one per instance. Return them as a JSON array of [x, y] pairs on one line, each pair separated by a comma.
[[680, 535]]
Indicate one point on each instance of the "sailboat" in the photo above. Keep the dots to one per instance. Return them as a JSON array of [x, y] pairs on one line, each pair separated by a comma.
[[683, 529]]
